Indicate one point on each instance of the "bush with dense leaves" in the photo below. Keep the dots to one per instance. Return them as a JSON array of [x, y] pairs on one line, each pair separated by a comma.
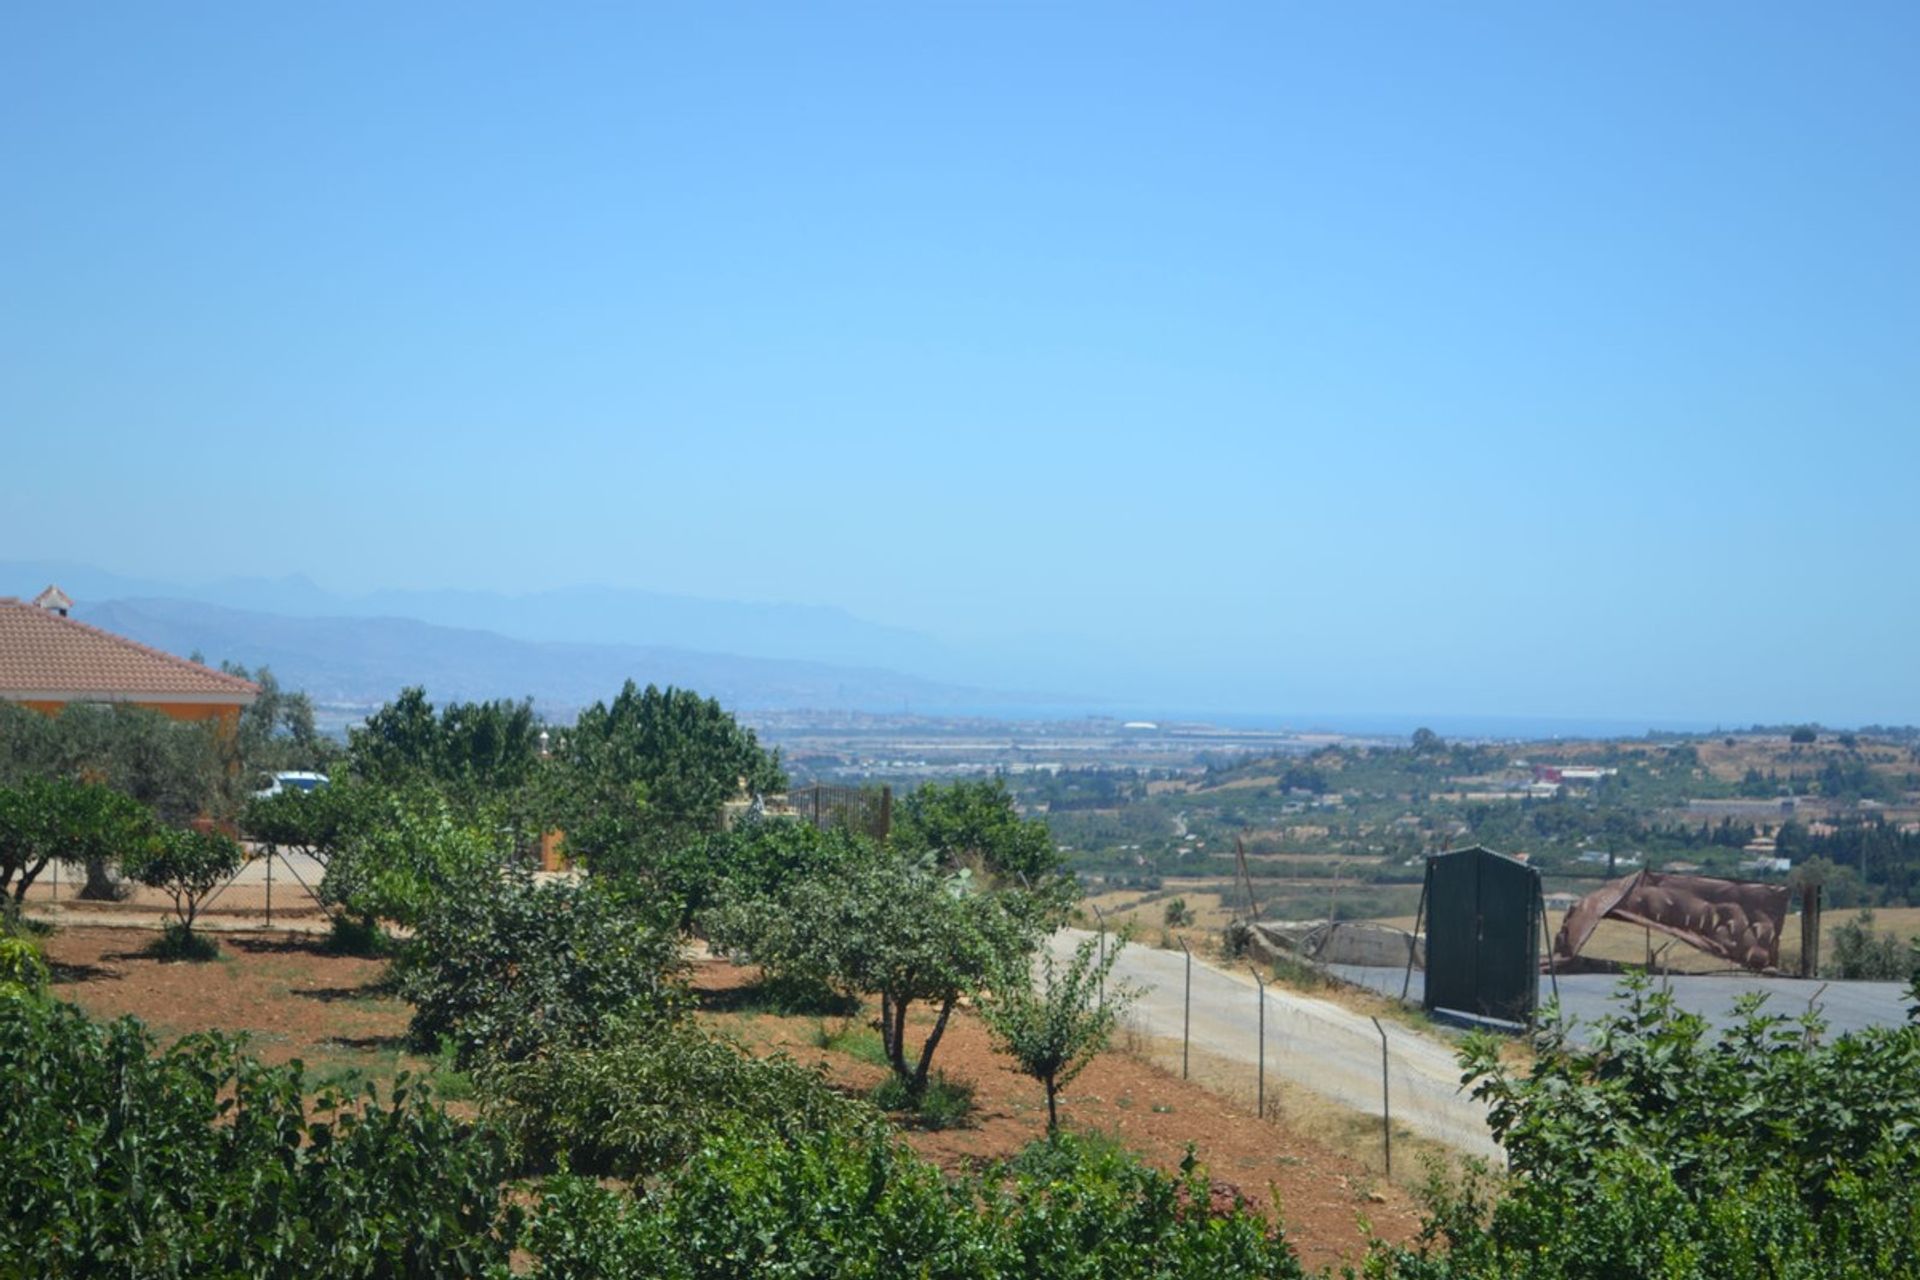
[[402, 853], [974, 824], [505, 968], [645, 1100], [1860, 953], [834, 1205], [1658, 1151], [755, 857], [124, 1159]]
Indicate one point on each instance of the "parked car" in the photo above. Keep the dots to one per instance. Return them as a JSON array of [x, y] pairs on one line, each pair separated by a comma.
[[291, 781]]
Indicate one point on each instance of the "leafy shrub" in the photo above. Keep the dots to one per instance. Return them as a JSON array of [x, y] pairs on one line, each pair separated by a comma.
[[834, 1205], [1178, 915], [945, 1103], [1860, 953], [1657, 1152], [23, 971], [506, 968], [646, 1099], [177, 942], [358, 936], [195, 1160]]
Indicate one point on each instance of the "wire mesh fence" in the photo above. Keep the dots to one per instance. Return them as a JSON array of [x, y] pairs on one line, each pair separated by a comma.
[[1268, 1045]]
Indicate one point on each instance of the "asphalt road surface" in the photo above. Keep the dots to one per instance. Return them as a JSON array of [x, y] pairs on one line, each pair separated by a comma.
[[1314, 1043], [1588, 997]]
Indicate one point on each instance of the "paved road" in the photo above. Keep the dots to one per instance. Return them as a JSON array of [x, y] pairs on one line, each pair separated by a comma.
[[1313, 1043], [1588, 997]]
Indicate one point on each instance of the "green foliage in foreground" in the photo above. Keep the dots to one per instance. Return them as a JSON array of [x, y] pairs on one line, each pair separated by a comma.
[[23, 970], [835, 1206], [1767, 1152], [120, 1160]]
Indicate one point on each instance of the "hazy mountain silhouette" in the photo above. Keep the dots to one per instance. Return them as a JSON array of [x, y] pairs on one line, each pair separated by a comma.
[[585, 614], [365, 661]]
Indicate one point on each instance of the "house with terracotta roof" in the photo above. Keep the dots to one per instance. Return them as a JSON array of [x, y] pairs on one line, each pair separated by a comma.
[[49, 660]]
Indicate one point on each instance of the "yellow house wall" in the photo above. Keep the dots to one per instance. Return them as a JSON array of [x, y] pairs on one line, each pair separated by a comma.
[[227, 714]]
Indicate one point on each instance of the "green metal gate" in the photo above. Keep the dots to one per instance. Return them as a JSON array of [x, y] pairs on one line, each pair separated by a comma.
[[1483, 935]]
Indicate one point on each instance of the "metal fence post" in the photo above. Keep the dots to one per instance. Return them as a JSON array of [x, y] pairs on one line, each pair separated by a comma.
[[269, 888], [1186, 1013], [1260, 1095], [1386, 1105], [1101, 972]]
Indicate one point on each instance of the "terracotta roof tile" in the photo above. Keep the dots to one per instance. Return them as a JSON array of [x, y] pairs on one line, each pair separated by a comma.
[[44, 653]]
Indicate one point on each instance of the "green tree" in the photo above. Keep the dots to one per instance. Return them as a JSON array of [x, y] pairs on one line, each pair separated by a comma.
[[975, 825], [186, 865], [641, 772], [1054, 1028], [884, 925], [46, 818], [1428, 743], [477, 754], [276, 730]]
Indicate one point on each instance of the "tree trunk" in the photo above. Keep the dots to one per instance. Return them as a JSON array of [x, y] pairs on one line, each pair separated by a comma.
[[101, 886], [919, 1083], [1053, 1114], [896, 1040]]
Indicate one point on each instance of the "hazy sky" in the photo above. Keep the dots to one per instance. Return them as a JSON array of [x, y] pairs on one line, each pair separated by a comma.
[[1542, 359]]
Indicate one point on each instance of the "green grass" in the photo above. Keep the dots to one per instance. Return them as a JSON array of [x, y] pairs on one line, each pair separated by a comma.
[[946, 1104], [857, 1041]]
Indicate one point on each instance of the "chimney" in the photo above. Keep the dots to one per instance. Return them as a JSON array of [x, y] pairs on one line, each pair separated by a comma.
[[54, 600]]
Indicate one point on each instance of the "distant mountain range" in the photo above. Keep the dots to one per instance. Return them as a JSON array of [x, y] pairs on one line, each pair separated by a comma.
[[594, 615], [564, 649]]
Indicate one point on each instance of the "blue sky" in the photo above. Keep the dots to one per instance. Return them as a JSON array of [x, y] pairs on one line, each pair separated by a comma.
[[1506, 359]]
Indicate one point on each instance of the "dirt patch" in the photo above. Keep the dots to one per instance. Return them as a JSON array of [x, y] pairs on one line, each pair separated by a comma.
[[291, 998], [1321, 1193]]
